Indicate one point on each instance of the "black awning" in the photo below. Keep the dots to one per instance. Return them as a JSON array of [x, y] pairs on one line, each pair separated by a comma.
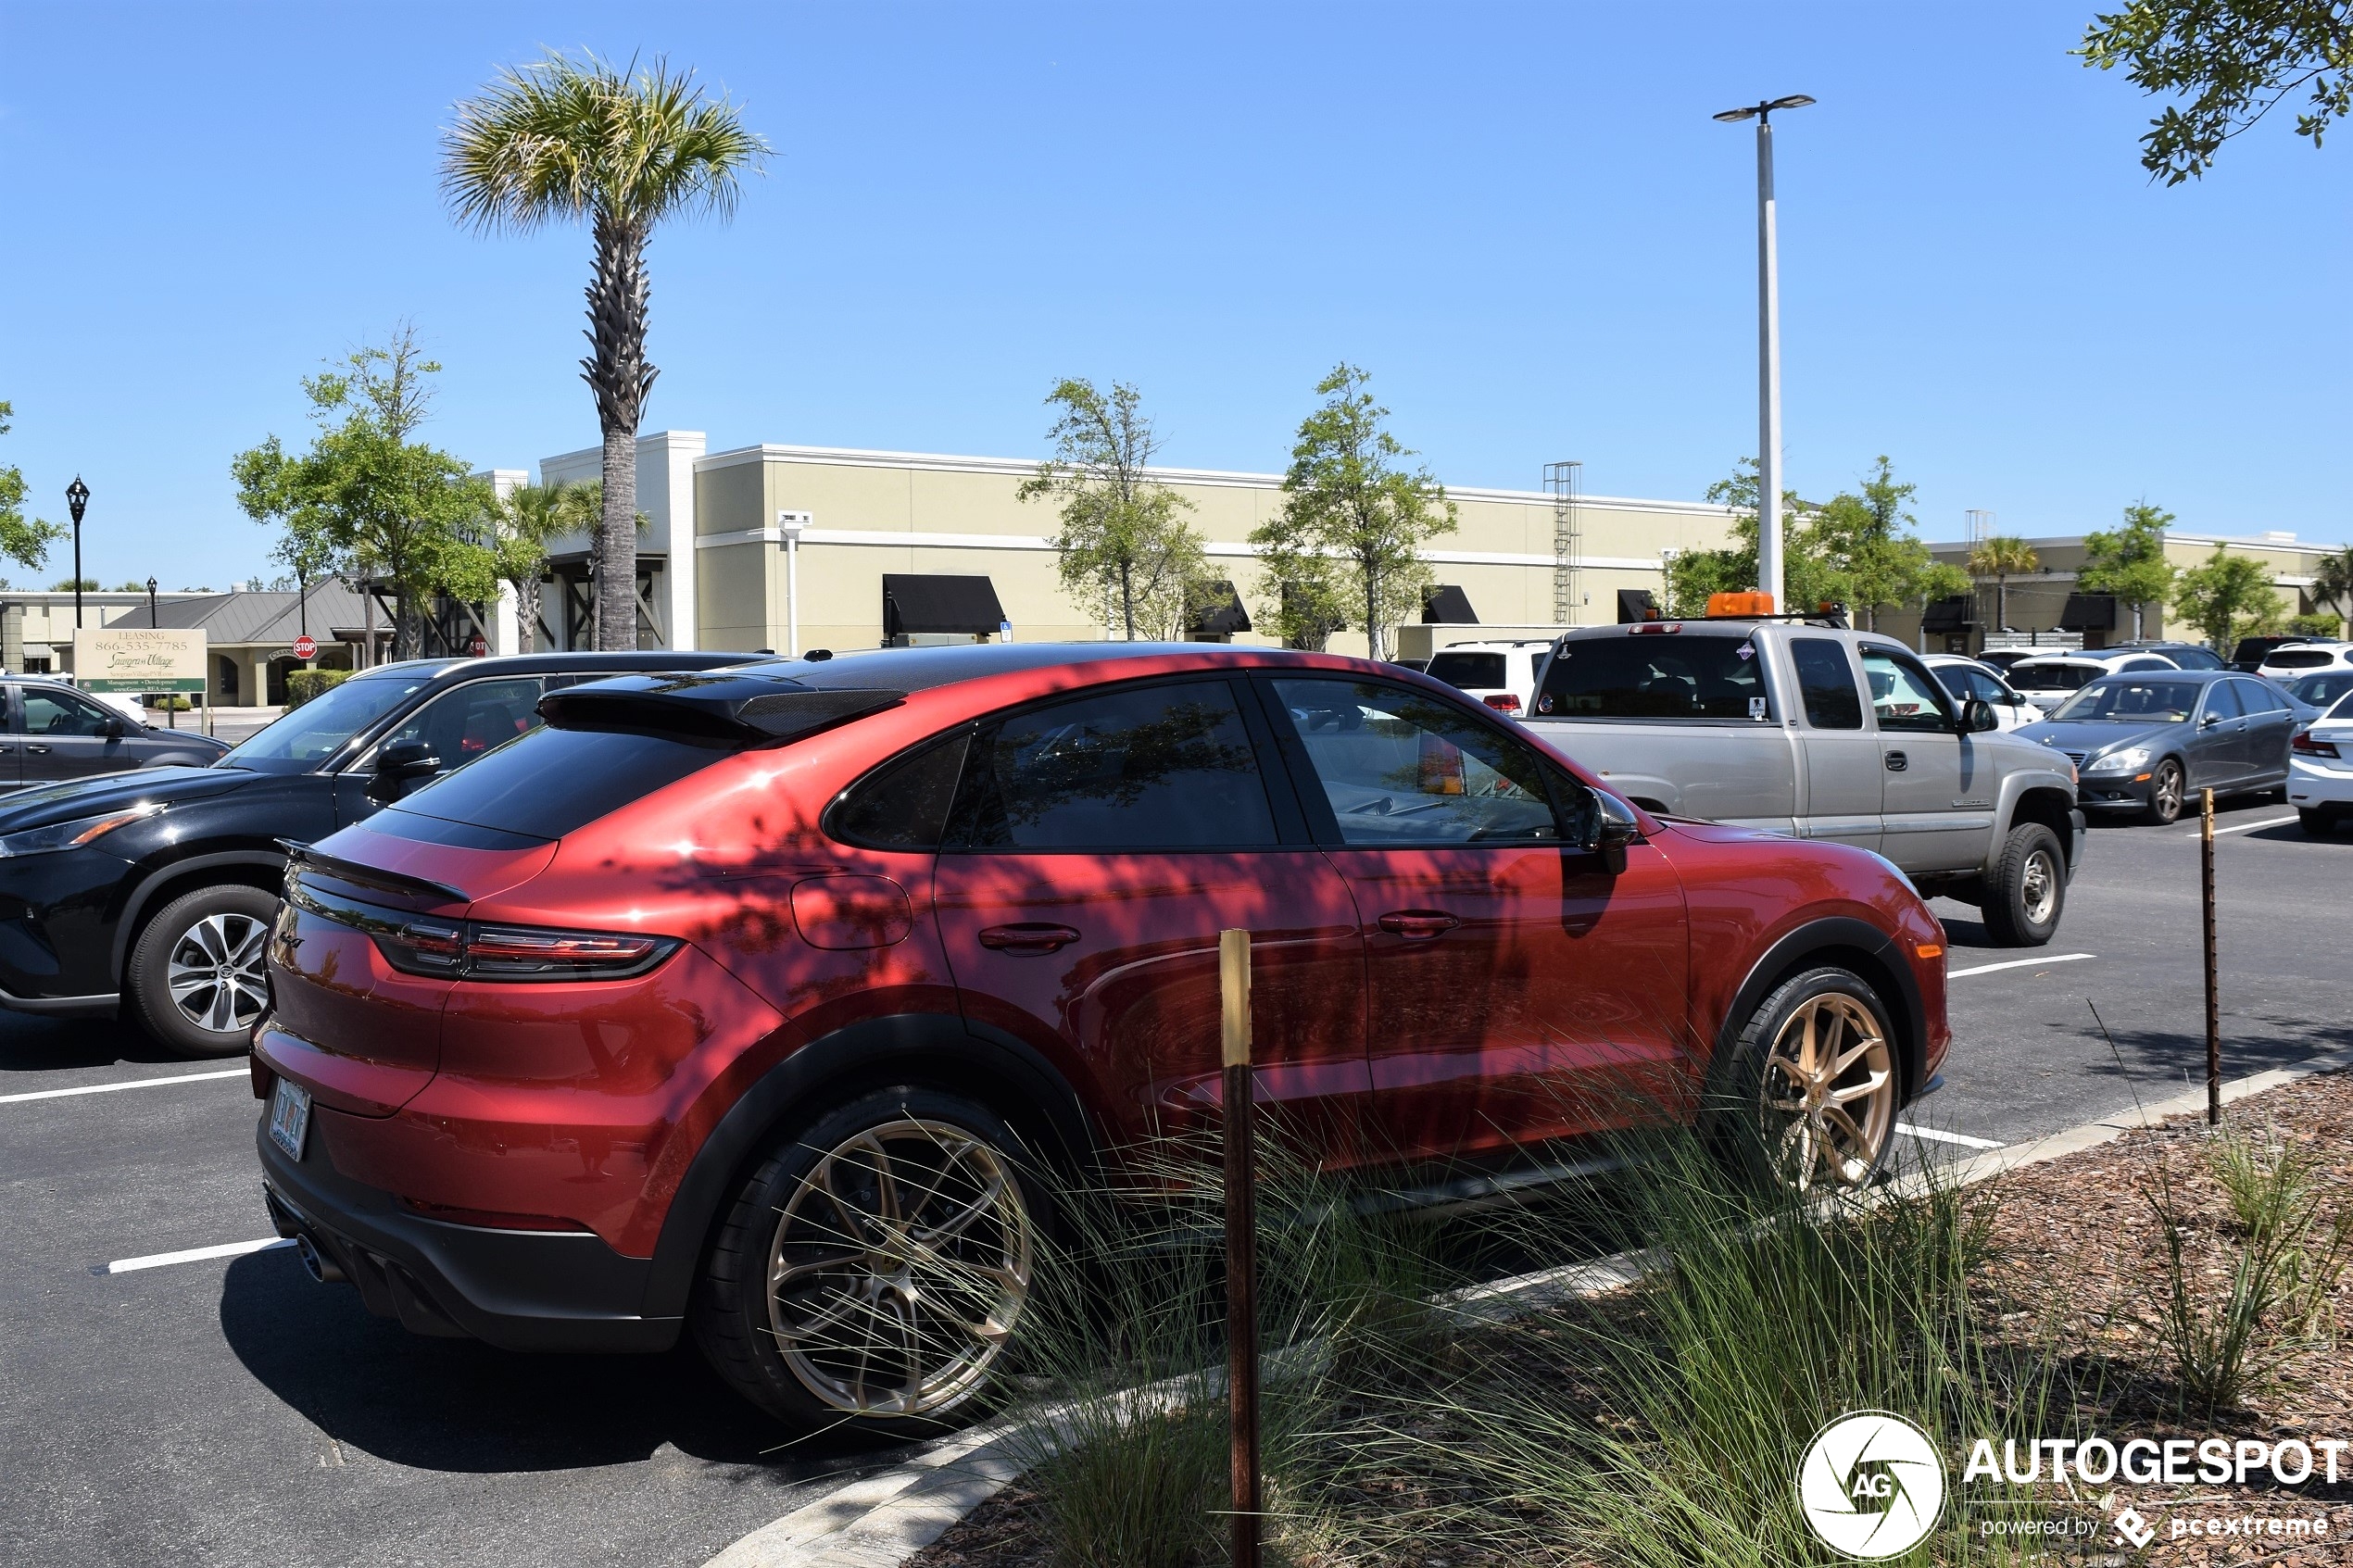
[[915, 602], [1217, 611], [1445, 605], [1948, 615], [1636, 604], [2088, 612]]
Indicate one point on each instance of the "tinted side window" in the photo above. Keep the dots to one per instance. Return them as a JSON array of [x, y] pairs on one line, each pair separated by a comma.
[[1654, 675], [1904, 696], [462, 723], [1400, 769], [1826, 680], [904, 804], [1155, 767], [1469, 671], [2223, 700], [57, 713]]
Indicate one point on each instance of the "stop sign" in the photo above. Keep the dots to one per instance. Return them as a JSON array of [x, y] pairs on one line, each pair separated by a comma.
[[306, 647], [479, 646]]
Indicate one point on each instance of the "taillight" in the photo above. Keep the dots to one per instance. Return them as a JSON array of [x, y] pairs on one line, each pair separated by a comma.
[[460, 950], [1502, 702], [2310, 747]]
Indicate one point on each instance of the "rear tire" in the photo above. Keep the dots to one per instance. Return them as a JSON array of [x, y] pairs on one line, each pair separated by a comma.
[[888, 1325], [2027, 893], [1810, 1093], [197, 980], [2165, 794]]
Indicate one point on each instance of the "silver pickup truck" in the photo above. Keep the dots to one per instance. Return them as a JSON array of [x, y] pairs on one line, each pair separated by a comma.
[[1807, 728]]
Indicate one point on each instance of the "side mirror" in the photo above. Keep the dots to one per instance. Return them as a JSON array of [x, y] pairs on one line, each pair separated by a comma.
[[114, 727], [1614, 829], [2210, 721], [400, 764], [1977, 714]]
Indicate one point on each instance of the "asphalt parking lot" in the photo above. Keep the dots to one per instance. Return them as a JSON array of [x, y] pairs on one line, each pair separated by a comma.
[[225, 1411]]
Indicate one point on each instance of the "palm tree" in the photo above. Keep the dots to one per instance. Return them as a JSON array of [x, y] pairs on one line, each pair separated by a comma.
[[521, 524], [2333, 582], [2002, 557], [622, 149]]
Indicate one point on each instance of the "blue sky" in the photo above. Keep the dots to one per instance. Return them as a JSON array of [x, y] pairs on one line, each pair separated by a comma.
[[1520, 218]]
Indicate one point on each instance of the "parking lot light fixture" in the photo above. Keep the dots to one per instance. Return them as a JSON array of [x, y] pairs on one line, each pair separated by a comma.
[[1768, 351]]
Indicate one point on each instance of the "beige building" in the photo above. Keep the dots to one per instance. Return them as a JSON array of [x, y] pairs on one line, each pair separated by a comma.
[[725, 529], [36, 625], [2050, 602]]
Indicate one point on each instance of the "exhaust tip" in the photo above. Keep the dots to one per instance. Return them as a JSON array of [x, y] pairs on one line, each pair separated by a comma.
[[317, 1264]]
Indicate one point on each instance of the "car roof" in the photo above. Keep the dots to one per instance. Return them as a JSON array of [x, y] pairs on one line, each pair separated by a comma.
[[620, 664], [922, 668]]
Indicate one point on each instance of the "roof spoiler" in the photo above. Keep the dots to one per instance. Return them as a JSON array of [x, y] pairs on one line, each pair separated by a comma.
[[745, 709]]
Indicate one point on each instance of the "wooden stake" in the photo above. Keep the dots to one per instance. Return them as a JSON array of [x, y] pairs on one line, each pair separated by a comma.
[[2213, 992], [1241, 1244]]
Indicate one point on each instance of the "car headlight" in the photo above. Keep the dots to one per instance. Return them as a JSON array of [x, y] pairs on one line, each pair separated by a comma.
[[2125, 761], [72, 835]]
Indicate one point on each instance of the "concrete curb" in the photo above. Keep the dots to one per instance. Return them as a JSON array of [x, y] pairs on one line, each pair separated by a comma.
[[885, 1518]]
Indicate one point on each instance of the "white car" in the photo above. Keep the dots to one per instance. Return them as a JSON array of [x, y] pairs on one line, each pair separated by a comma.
[[2296, 660], [1965, 678], [1501, 674], [2319, 770], [2049, 681]]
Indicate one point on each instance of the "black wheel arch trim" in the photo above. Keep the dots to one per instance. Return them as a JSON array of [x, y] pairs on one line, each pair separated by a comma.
[[869, 1051], [1832, 934], [126, 924]]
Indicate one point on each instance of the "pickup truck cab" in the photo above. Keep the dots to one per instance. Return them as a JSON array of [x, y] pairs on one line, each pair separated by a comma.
[[1817, 731]]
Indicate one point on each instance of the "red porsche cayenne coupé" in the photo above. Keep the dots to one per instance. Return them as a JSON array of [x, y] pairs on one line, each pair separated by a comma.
[[740, 1002]]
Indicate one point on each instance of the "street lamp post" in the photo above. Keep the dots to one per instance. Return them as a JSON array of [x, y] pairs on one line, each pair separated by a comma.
[[172, 714], [1769, 347], [77, 498]]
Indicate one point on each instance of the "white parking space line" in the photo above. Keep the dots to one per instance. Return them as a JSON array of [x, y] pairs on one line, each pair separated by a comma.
[[193, 1255], [2243, 827], [2018, 963], [1932, 1136], [134, 1083]]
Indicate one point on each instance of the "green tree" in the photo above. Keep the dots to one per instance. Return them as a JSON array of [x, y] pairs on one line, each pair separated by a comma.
[[1866, 541], [2333, 581], [516, 531], [368, 498], [68, 585], [1937, 580], [2227, 597], [1348, 501], [23, 540], [1808, 577], [2130, 561], [622, 149], [1122, 541], [2234, 61], [2003, 558]]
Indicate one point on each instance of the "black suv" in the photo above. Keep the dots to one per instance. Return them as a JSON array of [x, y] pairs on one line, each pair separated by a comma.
[[56, 733], [150, 893]]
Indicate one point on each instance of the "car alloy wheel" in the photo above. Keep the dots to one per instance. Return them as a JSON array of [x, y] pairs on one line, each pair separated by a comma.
[[2039, 888], [2165, 793], [1830, 1091], [899, 1269], [215, 973]]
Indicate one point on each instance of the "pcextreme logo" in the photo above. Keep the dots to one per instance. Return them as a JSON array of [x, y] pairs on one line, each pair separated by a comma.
[[1871, 1485]]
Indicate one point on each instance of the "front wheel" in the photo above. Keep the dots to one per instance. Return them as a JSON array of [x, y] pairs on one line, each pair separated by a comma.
[[874, 1267], [197, 978], [1811, 1089], [2165, 794], [2027, 893]]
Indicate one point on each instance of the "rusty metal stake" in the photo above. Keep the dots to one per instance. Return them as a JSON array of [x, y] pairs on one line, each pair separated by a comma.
[[1241, 1244], [2213, 994]]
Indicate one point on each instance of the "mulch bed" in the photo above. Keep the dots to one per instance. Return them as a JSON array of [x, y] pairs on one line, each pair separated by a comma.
[[2080, 1249]]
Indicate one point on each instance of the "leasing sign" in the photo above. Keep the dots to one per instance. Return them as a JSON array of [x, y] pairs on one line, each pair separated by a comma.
[[111, 659]]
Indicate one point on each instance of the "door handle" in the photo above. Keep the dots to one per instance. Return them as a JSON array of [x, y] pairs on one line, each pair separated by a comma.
[[1896, 761], [37, 750], [1032, 939], [1418, 925]]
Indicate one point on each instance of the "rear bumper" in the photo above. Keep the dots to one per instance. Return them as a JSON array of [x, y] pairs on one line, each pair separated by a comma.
[[520, 1290]]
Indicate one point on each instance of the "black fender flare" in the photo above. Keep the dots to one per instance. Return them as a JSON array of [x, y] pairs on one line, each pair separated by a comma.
[[142, 894], [1027, 1090], [1888, 972]]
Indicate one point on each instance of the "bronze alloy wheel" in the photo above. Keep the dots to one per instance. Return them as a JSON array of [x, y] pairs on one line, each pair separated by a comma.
[[898, 1270], [1829, 1093]]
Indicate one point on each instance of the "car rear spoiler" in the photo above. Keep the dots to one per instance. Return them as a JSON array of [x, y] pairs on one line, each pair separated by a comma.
[[748, 709], [375, 878]]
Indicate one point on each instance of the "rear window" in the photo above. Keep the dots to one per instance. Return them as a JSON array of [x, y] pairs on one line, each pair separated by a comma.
[[2301, 658], [2321, 690], [1469, 671], [553, 781], [2054, 677], [1654, 675]]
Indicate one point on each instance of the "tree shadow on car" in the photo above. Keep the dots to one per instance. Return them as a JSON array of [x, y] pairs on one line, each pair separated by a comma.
[[31, 1044], [462, 1405]]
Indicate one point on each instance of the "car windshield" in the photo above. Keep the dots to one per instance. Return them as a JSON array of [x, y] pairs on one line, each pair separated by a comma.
[[2119, 700], [2053, 677], [316, 731], [2321, 690]]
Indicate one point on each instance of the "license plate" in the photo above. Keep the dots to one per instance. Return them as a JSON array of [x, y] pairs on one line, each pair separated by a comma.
[[289, 1117]]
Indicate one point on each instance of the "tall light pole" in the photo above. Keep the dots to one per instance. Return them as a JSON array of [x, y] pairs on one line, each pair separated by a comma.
[[1768, 349], [77, 498]]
